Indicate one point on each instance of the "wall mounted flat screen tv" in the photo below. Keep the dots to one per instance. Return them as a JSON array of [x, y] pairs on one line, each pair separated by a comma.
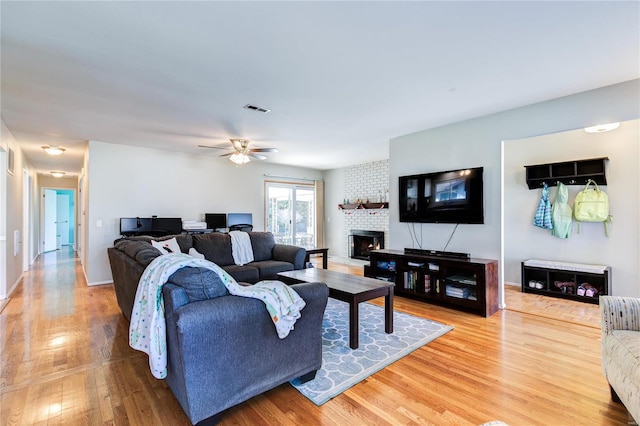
[[454, 196]]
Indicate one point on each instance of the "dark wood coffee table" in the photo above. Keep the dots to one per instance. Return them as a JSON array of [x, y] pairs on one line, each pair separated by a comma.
[[351, 289]]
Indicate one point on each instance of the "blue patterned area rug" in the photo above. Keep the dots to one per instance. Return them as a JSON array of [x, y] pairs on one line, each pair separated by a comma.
[[343, 367]]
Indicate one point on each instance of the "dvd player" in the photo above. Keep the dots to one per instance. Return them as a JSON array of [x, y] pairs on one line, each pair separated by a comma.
[[436, 253]]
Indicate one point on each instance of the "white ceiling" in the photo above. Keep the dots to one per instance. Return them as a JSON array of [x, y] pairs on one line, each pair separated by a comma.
[[340, 78]]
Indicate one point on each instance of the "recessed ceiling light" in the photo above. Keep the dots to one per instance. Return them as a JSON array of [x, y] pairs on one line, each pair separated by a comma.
[[602, 128], [53, 150], [57, 174]]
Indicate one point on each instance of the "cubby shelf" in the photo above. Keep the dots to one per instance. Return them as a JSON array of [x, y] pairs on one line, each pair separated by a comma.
[[576, 172], [565, 284]]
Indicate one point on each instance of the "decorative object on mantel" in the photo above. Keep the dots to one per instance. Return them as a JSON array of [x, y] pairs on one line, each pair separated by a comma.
[[365, 206], [410, 333]]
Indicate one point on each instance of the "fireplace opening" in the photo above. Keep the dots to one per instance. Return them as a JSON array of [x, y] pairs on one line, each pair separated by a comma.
[[362, 242]]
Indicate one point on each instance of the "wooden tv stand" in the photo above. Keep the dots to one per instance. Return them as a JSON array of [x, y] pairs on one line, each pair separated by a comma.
[[470, 285]]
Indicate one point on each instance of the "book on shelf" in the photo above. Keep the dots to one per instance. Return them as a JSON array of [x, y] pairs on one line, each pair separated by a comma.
[[463, 279], [458, 292]]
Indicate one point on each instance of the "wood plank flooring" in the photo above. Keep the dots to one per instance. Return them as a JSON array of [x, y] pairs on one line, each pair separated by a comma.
[[64, 359]]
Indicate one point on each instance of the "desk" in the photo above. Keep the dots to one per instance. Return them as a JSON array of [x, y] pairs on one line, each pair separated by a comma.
[[318, 250]]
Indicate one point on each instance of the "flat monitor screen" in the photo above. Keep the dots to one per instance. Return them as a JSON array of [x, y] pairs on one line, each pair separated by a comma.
[[168, 225], [216, 220], [239, 219], [134, 225]]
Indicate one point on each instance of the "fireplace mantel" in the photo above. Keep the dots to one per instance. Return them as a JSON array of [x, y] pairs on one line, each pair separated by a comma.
[[365, 206]]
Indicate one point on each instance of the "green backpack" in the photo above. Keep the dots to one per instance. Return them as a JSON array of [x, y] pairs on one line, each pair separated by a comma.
[[592, 205]]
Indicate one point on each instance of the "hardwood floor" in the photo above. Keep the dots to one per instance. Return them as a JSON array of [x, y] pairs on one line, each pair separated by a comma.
[[65, 359]]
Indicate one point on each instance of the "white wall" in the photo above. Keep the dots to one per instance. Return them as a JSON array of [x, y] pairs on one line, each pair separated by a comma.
[[11, 219], [125, 181], [619, 250], [334, 189], [477, 142]]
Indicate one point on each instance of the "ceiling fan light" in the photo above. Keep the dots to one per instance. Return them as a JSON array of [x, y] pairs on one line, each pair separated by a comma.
[[239, 158], [57, 174], [602, 128], [53, 150]]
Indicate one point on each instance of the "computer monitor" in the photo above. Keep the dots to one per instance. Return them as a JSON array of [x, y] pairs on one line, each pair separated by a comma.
[[239, 219], [167, 225], [134, 225], [216, 220]]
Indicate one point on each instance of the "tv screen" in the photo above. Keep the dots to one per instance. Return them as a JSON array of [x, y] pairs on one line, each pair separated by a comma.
[[216, 220], [239, 219], [453, 196]]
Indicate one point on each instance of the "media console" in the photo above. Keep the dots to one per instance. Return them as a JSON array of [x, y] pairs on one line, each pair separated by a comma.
[[469, 284]]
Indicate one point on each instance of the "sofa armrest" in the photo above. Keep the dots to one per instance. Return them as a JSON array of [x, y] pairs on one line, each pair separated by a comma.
[[619, 313], [224, 351], [291, 254]]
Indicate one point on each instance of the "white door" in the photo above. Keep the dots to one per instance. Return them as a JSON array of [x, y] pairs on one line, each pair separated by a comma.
[[50, 214], [62, 224], [290, 211]]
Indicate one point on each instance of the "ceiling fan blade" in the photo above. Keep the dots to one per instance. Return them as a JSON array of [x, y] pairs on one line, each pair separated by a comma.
[[257, 156], [214, 147], [227, 154], [264, 149]]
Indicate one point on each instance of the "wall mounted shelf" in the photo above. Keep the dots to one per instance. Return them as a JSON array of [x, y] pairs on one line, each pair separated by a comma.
[[366, 206], [576, 172]]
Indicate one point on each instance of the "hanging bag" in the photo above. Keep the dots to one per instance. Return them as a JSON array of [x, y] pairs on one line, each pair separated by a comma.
[[592, 205], [542, 216], [561, 214]]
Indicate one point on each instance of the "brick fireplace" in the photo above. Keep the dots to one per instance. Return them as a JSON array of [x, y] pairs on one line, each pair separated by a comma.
[[362, 242]]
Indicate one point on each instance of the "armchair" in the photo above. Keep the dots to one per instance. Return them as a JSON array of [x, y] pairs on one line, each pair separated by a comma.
[[620, 321]]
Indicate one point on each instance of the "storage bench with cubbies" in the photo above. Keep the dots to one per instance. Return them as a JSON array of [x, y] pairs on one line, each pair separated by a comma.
[[575, 281]]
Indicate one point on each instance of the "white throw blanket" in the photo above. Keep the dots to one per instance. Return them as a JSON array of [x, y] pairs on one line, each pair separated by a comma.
[[241, 247], [147, 330]]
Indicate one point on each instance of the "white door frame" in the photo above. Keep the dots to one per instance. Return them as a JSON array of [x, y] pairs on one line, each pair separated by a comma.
[[26, 220], [3, 224]]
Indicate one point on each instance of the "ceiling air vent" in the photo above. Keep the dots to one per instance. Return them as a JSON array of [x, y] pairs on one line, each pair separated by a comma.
[[256, 108]]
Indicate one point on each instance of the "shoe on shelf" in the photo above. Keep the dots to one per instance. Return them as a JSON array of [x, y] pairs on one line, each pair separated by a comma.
[[532, 284], [539, 285]]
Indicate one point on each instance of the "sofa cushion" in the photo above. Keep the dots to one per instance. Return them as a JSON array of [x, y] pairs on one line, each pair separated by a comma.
[[216, 247], [199, 283], [623, 349], [185, 241], [141, 251], [262, 244], [269, 269], [246, 273], [145, 256]]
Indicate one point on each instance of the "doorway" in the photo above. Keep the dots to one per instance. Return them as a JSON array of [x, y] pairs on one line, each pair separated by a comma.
[[58, 219], [290, 213]]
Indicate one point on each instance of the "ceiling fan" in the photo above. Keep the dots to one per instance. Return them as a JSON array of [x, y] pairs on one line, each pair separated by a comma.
[[241, 152]]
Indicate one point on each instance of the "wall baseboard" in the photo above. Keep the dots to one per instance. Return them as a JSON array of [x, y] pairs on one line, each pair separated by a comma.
[[15, 285], [99, 283]]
